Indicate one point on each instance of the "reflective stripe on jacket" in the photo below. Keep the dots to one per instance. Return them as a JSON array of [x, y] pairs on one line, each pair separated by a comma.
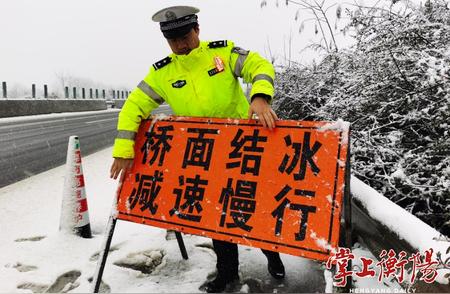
[[192, 86]]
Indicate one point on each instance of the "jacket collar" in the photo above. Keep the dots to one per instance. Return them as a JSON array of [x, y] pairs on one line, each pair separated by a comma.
[[194, 54]]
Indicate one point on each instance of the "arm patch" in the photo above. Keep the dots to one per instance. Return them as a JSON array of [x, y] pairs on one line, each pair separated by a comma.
[[162, 63], [217, 44]]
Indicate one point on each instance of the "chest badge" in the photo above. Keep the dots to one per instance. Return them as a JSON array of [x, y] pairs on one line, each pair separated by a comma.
[[219, 67], [179, 84], [219, 64]]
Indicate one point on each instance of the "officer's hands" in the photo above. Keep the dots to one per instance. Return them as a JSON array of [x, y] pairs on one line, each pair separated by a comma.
[[264, 111], [119, 167]]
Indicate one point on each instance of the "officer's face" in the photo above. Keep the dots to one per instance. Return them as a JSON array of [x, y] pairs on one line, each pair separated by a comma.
[[184, 45]]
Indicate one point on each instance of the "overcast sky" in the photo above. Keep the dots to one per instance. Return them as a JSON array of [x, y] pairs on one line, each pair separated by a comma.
[[115, 42]]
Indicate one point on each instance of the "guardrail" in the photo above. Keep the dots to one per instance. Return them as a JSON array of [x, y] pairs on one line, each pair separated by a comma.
[[378, 230], [75, 99], [74, 93]]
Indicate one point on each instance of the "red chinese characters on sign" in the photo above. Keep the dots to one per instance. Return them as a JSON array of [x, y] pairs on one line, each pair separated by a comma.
[[236, 181]]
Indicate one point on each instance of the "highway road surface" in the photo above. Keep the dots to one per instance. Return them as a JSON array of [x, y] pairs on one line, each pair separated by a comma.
[[30, 145]]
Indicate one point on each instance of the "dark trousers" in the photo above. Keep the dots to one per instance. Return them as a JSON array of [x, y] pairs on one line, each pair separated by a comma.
[[228, 258]]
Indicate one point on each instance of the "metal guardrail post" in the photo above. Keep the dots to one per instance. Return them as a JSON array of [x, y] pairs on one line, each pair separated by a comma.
[[115, 94], [4, 90]]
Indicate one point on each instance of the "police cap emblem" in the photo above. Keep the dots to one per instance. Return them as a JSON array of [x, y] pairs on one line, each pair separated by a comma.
[[170, 15]]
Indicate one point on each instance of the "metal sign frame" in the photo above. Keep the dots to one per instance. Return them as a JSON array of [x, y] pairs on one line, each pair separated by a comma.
[[344, 240]]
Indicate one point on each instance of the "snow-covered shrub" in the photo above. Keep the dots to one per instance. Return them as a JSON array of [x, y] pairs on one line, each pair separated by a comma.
[[394, 88]]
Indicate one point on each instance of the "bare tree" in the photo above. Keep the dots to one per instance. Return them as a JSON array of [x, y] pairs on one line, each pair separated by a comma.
[[320, 16]]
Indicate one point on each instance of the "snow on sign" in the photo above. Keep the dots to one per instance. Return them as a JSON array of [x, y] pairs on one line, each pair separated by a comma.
[[236, 181]]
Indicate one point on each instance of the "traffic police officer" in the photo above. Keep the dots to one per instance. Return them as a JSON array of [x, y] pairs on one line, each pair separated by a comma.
[[199, 79]]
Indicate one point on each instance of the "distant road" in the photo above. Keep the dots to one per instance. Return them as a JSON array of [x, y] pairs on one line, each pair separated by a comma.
[[31, 145]]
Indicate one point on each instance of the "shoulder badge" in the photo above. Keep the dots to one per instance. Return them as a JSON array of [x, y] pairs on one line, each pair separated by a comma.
[[217, 44], [239, 50], [162, 63]]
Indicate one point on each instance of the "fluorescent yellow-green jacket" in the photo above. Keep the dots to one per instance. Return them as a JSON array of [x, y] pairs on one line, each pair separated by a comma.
[[192, 86]]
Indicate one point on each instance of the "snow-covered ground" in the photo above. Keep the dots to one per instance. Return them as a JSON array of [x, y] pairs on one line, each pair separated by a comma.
[[36, 257]]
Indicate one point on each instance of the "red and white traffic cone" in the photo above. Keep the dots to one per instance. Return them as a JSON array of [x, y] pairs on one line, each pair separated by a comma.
[[74, 210]]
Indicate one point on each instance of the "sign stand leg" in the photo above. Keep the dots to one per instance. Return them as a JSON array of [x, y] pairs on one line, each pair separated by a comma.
[[181, 245], [346, 233], [348, 218], [104, 254]]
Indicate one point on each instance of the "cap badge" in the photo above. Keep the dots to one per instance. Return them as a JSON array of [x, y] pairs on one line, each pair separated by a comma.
[[170, 15]]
